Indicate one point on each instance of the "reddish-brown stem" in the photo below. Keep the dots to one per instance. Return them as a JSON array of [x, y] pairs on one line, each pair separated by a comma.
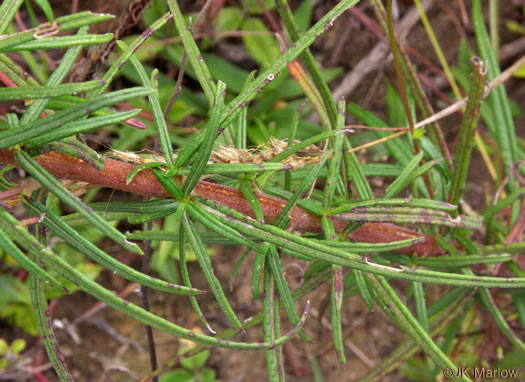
[[145, 183]]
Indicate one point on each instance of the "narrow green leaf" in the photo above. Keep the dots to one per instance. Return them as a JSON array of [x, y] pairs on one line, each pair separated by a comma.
[[192, 50], [284, 59], [237, 265], [160, 121], [404, 178], [211, 134], [421, 307], [66, 63], [37, 128], [467, 131], [54, 186], [283, 218], [335, 161], [12, 94], [8, 11], [503, 124], [432, 207], [45, 328], [169, 184], [12, 250], [72, 238], [277, 270], [211, 222], [46, 8], [48, 43], [309, 61], [241, 133], [411, 325], [110, 74], [186, 276], [84, 283], [372, 247], [314, 249], [204, 261], [336, 301], [77, 127], [269, 326]]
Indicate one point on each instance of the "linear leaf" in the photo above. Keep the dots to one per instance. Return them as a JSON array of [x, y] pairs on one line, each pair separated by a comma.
[[204, 261], [53, 185], [34, 129], [12, 94], [48, 43], [192, 50], [66, 63], [12, 250], [72, 238], [160, 121], [211, 133], [100, 293], [314, 249], [83, 126]]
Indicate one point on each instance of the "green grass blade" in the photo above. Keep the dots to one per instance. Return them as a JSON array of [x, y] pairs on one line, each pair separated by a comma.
[[504, 129]]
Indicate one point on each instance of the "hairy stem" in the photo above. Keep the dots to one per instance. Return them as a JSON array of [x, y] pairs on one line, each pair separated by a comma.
[[145, 182]]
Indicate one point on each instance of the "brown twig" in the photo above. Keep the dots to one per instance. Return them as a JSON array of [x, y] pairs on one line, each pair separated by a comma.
[[145, 183]]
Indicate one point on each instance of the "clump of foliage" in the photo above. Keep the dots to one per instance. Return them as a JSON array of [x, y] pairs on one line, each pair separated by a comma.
[[215, 190]]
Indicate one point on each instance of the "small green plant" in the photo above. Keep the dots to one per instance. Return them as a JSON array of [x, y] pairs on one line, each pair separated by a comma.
[[9, 354], [192, 367], [304, 194]]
